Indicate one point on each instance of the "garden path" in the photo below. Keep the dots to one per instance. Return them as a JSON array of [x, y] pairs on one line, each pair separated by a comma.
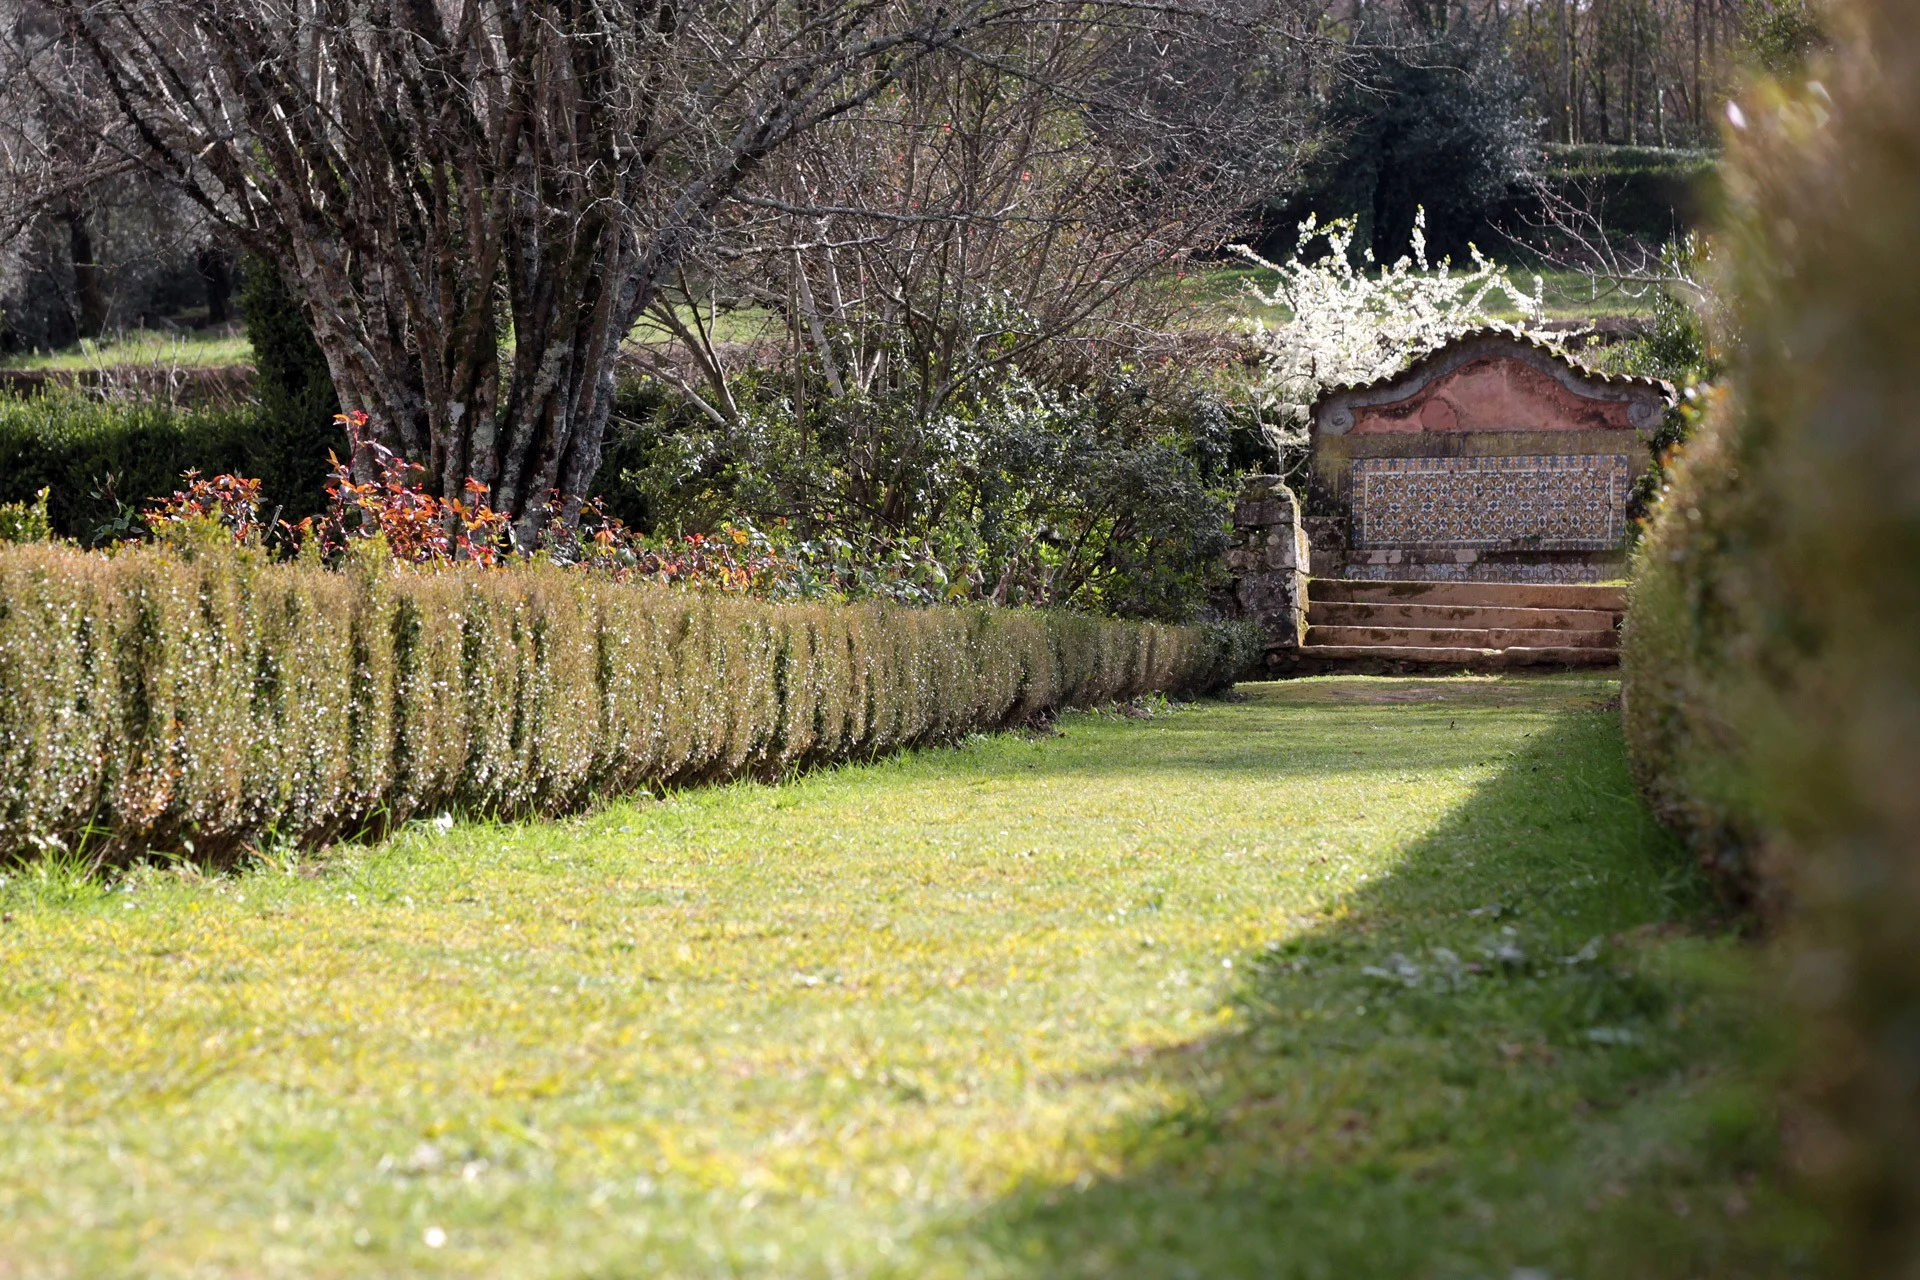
[[1347, 977]]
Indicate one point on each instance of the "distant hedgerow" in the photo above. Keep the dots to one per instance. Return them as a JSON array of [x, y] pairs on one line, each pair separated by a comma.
[[201, 698]]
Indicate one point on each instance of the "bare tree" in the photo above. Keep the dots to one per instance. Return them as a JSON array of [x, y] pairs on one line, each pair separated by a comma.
[[1014, 207], [478, 198], [1567, 231], [57, 165]]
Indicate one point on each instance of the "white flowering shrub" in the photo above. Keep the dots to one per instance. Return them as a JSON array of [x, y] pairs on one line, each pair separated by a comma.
[[1353, 323]]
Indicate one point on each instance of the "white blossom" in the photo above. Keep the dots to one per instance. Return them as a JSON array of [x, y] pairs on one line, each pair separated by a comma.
[[1351, 323]]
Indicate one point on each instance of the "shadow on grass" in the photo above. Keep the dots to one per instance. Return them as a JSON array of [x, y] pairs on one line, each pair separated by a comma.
[[1529, 1051]]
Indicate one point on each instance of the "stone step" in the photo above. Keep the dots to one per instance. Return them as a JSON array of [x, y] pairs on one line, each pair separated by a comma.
[[1514, 595], [1463, 637], [1342, 613], [1481, 659]]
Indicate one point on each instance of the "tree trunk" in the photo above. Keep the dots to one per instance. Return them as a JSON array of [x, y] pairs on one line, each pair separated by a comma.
[[476, 202], [89, 286], [215, 265]]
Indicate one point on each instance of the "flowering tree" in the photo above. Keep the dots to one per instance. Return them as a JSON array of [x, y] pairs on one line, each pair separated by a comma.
[[1353, 323]]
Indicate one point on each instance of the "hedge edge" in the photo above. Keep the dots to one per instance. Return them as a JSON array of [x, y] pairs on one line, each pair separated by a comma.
[[220, 702]]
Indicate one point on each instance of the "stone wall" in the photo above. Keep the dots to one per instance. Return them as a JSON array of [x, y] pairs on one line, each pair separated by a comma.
[[1493, 459], [1268, 564]]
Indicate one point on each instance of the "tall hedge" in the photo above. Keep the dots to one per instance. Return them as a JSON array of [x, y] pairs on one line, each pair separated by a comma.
[[1689, 613], [154, 701], [1649, 193], [98, 455], [296, 399], [1772, 657], [102, 456]]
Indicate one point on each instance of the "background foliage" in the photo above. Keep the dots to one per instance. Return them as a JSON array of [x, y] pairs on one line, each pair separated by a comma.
[[1653, 194], [1111, 499], [1433, 120], [103, 459]]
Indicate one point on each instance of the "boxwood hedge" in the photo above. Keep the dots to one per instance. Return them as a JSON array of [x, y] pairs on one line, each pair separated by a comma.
[[203, 703]]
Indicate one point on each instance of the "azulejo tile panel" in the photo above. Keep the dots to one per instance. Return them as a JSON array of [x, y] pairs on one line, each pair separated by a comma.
[[1566, 502], [1485, 571]]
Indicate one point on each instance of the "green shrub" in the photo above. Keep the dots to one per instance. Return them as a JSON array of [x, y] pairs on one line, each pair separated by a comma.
[[1683, 620], [205, 701], [26, 521], [1679, 347], [102, 457], [295, 392], [1773, 648], [1099, 500], [287, 363], [94, 456]]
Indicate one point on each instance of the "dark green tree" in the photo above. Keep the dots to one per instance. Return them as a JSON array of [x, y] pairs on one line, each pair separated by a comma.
[[297, 401], [1435, 120]]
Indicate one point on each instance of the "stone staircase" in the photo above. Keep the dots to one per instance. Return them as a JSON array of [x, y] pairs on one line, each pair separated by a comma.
[[1409, 625]]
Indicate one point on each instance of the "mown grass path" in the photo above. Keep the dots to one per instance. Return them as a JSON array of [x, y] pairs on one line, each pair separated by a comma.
[[1348, 978]]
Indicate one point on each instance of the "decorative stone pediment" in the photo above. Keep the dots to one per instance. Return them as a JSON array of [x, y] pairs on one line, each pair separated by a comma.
[[1494, 380], [1494, 457]]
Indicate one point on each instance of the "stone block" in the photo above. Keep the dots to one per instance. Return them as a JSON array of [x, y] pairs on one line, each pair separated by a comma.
[[1267, 561], [1266, 592], [1263, 512]]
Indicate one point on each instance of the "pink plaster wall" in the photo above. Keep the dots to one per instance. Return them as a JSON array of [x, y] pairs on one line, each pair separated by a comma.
[[1494, 393]]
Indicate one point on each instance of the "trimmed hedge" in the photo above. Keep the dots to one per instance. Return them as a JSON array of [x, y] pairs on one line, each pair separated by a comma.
[[206, 703], [1650, 193], [1686, 616], [81, 447], [1772, 661]]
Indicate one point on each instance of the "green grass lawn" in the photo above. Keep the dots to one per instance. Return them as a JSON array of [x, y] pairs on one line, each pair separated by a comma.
[[182, 348], [191, 349], [1223, 295], [1350, 978], [734, 325], [1220, 290]]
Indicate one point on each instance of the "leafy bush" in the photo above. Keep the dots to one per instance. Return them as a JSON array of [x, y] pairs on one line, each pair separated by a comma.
[[1772, 670], [26, 521], [1086, 500], [206, 700], [227, 503], [414, 526], [1679, 347]]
